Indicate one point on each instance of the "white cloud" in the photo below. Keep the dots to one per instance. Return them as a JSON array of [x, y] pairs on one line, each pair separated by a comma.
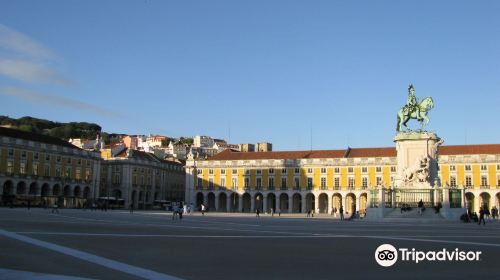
[[31, 72], [39, 97], [25, 60], [22, 44]]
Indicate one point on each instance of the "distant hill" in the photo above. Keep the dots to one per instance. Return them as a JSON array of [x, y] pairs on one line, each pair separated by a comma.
[[56, 129]]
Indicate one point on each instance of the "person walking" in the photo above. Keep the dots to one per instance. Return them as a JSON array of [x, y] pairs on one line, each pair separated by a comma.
[[420, 206], [272, 212], [341, 212], [203, 209], [481, 216], [257, 213]]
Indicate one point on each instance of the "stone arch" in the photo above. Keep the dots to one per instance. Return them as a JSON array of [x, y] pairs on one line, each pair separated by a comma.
[[8, 187], [259, 202], [284, 203], [271, 203], [485, 198], [497, 200], [77, 191], [350, 201], [296, 203], [323, 203], [86, 192], [310, 202], [117, 193], [211, 201], [21, 188], [222, 202], [247, 202], [235, 201], [337, 201], [133, 198], [199, 200], [45, 190], [469, 201], [363, 201], [56, 190], [33, 189], [67, 191]]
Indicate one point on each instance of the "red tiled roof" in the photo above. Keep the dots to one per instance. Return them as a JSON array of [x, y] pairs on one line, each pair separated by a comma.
[[351, 153], [470, 149]]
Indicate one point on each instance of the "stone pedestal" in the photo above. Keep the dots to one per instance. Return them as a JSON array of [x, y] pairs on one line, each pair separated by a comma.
[[416, 159]]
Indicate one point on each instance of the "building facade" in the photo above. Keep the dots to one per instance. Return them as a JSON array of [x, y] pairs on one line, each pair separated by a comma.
[[140, 179], [299, 181], [45, 170]]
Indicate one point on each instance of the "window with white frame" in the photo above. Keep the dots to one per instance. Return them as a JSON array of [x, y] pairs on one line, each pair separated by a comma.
[[453, 168], [393, 169], [350, 169], [453, 181], [259, 183], [336, 170], [467, 168], [223, 182], [10, 166], [323, 182], [35, 168], [235, 171], [379, 180], [46, 170], [210, 171], [484, 167], [283, 182], [364, 169], [200, 183], [271, 170], [297, 170], [323, 170], [223, 171], [484, 181], [336, 182], [11, 153], [350, 182], [309, 170], [271, 182], [297, 182], [22, 167], [364, 182], [259, 171], [468, 181], [247, 182], [283, 170], [247, 172], [378, 169], [234, 183], [309, 183], [211, 182]]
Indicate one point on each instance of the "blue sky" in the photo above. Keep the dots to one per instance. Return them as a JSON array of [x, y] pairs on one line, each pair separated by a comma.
[[255, 70]]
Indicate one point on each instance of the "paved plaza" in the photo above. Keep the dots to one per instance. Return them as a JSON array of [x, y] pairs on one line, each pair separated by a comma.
[[118, 245]]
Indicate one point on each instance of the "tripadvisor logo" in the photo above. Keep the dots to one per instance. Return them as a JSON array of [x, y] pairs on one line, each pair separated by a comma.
[[387, 255]]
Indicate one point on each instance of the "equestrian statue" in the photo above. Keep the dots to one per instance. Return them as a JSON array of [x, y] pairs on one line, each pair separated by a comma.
[[414, 110]]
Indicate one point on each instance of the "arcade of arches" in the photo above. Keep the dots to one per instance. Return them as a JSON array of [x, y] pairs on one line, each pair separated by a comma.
[[44, 193], [283, 202]]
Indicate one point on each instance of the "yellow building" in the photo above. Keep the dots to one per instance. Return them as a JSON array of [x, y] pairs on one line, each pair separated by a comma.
[[44, 170], [322, 181]]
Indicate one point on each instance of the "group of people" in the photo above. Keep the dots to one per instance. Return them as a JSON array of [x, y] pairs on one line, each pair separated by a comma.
[[484, 214]]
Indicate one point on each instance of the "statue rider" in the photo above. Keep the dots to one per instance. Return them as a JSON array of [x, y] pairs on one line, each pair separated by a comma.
[[411, 102]]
